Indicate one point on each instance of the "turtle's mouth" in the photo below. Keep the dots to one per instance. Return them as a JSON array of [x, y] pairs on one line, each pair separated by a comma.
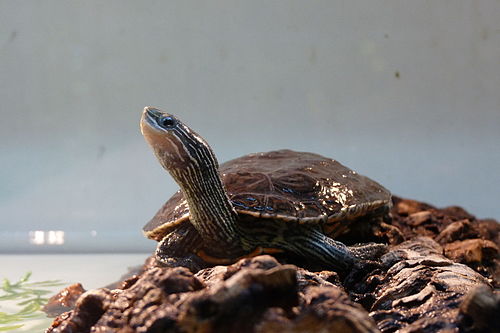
[[151, 116]]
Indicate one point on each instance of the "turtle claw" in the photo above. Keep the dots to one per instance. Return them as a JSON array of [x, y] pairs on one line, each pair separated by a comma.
[[191, 262], [176, 249], [368, 251]]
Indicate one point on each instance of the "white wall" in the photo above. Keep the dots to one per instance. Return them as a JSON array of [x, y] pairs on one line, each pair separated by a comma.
[[406, 92]]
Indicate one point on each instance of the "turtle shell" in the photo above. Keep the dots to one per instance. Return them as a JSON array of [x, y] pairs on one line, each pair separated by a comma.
[[286, 185]]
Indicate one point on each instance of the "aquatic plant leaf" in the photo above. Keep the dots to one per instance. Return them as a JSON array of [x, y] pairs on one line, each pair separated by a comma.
[[10, 328], [30, 297], [47, 283], [6, 286], [25, 277]]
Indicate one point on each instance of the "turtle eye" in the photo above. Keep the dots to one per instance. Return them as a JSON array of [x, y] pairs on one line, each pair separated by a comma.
[[166, 122]]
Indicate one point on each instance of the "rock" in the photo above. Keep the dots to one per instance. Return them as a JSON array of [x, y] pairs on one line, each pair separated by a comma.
[[472, 251], [324, 309], [422, 289], [489, 229], [253, 295], [238, 302], [149, 302], [457, 213], [419, 218], [64, 300], [436, 277], [479, 310], [407, 207], [88, 309], [461, 229]]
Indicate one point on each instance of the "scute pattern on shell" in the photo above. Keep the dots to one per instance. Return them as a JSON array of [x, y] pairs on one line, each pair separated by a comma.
[[284, 184]]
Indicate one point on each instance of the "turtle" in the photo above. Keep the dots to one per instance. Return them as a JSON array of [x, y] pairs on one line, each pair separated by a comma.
[[262, 203]]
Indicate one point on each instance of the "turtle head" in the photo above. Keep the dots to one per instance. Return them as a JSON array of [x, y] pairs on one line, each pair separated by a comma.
[[180, 150]]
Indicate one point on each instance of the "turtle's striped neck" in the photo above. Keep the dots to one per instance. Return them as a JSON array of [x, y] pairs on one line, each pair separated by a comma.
[[211, 211], [190, 161]]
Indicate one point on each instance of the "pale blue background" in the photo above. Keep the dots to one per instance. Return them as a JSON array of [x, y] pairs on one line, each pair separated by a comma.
[[249, 76]]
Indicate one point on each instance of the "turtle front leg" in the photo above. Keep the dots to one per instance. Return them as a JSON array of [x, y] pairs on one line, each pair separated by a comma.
[[179, 248]]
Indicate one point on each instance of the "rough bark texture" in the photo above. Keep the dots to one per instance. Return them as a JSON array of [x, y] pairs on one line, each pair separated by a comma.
[[439, 275]]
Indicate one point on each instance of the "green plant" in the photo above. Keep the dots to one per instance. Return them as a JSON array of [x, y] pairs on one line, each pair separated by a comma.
[[28, 297]]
